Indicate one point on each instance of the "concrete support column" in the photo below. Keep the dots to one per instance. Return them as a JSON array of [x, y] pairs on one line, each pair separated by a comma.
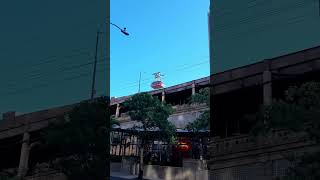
[[193, 88], [24, 156], [163, 96], [118, 110], [267, 87]]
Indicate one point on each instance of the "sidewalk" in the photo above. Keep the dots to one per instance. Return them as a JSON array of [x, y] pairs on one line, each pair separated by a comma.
[[122, 175], [127, 176]]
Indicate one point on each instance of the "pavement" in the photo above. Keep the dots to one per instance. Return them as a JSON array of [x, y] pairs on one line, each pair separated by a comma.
[[117, 173], [121, 175], [117, 178], [124, 176]]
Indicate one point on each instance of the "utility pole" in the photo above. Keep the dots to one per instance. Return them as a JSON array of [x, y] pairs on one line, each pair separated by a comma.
[[139, 82], [93, 91]]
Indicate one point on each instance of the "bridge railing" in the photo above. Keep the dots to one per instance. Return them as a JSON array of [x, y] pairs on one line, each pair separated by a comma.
[[219, 146], [189, 107]]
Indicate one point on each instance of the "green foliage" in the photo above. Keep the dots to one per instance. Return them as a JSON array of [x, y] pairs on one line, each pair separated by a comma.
[[151, 113], [304, 166], [299, 111], [301, 106], [203, 122], [202, 97], [80, 141], [113, 121], [307, 166], [3, 177], [277, 116], [7, 175]]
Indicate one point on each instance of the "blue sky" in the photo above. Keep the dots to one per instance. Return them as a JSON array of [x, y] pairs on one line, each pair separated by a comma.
[[170, 36], [41, 42]]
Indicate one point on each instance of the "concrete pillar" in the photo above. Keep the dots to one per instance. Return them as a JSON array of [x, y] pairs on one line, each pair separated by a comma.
[[193, 88], [267, 87], [163, 96], [24, 156], [118, 110]]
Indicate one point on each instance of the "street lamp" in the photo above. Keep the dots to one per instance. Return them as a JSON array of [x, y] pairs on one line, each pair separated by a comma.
[[124, 30], [93, 91]]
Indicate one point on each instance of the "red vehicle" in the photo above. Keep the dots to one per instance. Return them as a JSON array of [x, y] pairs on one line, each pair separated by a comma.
[[183, 149], [157, 85]]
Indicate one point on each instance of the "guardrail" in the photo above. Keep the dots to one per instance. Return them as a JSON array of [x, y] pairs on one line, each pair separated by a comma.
[[239, 143], [49, 175], [189, 107]]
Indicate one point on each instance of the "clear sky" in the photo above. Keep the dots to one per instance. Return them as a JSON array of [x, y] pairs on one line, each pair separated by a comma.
[[47, 48], [170, 36]]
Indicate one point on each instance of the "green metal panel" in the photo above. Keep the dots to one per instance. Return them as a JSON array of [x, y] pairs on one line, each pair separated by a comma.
[[248, 31]]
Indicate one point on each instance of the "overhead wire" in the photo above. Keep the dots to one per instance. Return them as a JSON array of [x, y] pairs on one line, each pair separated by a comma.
[[219, 11], [62, 69], [48, 84], [183, 66], [174, 71], [243, 20], [247, 20], [260, 27], [53, 58], [32, 72], [257, 18]]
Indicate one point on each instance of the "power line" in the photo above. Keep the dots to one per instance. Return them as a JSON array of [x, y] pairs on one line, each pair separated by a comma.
[[193, 65], [148, 84], [258, 18], [48, 84], [246, 20], [175, 71], [184, 65], [62, 69], [221, 12], [260, 29], [264, 14], [54, 58], [32, 74]]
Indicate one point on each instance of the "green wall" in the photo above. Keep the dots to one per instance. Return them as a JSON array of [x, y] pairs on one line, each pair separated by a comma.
[[248, 31]]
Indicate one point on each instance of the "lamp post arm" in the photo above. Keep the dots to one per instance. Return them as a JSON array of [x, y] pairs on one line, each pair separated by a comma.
[[122, 30], [116, 26]]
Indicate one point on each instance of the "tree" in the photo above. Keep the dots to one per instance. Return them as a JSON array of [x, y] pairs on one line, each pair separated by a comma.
[[9, 174], [203, 122], [80, 141], [299, 111], [4, 177], [113, 121], [153, 115]]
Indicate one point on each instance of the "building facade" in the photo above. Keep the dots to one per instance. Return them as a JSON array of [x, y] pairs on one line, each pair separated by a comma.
[[236, 92], [177, 96], [241, 91], [257, 50], [248, 31]]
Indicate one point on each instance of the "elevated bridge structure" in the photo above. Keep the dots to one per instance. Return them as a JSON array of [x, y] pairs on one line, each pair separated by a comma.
[[234, 93]]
